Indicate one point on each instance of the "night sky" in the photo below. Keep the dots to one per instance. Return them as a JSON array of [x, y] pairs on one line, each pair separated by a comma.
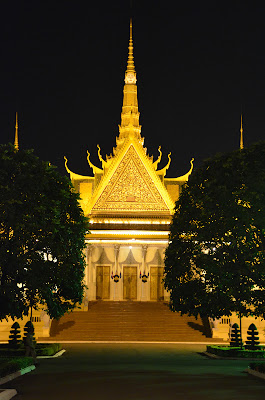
[[198, 66]]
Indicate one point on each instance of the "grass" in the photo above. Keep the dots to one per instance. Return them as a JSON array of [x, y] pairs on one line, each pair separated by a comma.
[[10, 365], [12, 360], [257, 366]]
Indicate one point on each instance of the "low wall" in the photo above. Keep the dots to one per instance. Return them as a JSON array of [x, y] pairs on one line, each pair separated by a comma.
[[40, 320], [221, 328]]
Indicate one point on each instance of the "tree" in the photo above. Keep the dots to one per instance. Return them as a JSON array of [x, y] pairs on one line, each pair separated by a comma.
[[215, 258], [42, 230], [29, 327]]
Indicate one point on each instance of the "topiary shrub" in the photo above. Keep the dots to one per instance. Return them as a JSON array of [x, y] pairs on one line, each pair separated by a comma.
[[29, 327], [14, 341], [252, 342], [236, 340]]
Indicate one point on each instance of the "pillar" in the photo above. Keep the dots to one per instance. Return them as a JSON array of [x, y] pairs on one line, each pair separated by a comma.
[[144, 286]]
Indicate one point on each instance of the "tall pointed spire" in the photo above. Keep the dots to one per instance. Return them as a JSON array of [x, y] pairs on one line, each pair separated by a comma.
[[241, 135], [130, 62], [16, 134], [130, 115]]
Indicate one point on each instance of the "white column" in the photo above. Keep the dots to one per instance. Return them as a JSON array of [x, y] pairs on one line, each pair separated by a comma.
[[144, 286], [91, 286], [117, 285]]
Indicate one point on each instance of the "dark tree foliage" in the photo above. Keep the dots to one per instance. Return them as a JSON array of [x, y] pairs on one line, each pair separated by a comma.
[[215, 259], [14, 340], [236, 340], [252, 342], [42, 229]]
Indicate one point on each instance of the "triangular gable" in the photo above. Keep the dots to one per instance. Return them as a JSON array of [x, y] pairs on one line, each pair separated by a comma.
[[132, 187]]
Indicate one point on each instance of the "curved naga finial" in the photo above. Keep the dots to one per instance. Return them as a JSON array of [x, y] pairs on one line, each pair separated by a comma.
[[186, 176], [163, 171], [65, 163], [73, 176], [155, 163], [103, 162], [96, 170]]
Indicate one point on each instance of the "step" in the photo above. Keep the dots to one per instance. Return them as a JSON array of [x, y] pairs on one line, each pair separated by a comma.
[[133, 321]]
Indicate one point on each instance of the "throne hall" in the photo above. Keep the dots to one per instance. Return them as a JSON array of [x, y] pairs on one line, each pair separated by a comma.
[[129, 202]]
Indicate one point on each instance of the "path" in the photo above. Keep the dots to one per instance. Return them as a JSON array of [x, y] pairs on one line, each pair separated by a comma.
[[138, 372]]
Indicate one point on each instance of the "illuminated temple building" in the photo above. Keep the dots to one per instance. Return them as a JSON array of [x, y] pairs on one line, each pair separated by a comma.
[[129, 202]]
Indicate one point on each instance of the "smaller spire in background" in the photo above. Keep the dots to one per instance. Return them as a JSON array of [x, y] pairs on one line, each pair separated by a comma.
[[241, 135], [16, 134]]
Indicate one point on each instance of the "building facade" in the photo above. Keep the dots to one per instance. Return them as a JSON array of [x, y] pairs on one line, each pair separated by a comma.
[[129, 202]]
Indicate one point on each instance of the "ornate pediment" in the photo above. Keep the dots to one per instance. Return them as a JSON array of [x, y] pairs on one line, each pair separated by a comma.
[[131, 188]]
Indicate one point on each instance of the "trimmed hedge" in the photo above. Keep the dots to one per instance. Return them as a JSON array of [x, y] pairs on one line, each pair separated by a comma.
[[225, 351], [8, 366], [45, 349], [48, 349], [260, 367]]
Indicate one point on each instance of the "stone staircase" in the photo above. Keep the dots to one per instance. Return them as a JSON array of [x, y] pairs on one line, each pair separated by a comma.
[[129, 321]]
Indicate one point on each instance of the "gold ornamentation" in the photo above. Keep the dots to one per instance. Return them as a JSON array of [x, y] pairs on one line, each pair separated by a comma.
[[131, 188], [96, 170]]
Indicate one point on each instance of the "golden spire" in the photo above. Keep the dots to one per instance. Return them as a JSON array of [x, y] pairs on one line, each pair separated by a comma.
[[130, 62], [130, 115], [241, 135], [16, 134]]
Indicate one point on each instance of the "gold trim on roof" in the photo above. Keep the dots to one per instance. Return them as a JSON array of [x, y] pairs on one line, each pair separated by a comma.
[[74, 176]]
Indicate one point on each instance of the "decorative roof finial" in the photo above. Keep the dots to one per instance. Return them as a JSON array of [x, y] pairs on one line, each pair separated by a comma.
[[130, 63], [16, 134], [241, 135]]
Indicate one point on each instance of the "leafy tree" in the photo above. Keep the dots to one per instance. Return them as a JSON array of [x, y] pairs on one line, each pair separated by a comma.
[[215, 259], [42, 229]]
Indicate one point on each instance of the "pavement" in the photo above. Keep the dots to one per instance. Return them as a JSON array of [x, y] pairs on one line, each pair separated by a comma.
[[131, 371]]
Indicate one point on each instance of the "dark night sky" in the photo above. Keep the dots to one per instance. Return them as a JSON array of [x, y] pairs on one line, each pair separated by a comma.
[[198, 65]]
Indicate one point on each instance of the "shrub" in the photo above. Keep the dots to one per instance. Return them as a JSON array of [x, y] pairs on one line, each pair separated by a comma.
[[236, 340], [47, 349], [14, 341], [236, 352], [260, 367], [252, 342]]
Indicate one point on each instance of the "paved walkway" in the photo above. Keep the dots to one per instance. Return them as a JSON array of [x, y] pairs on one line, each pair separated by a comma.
[[137, 372]]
